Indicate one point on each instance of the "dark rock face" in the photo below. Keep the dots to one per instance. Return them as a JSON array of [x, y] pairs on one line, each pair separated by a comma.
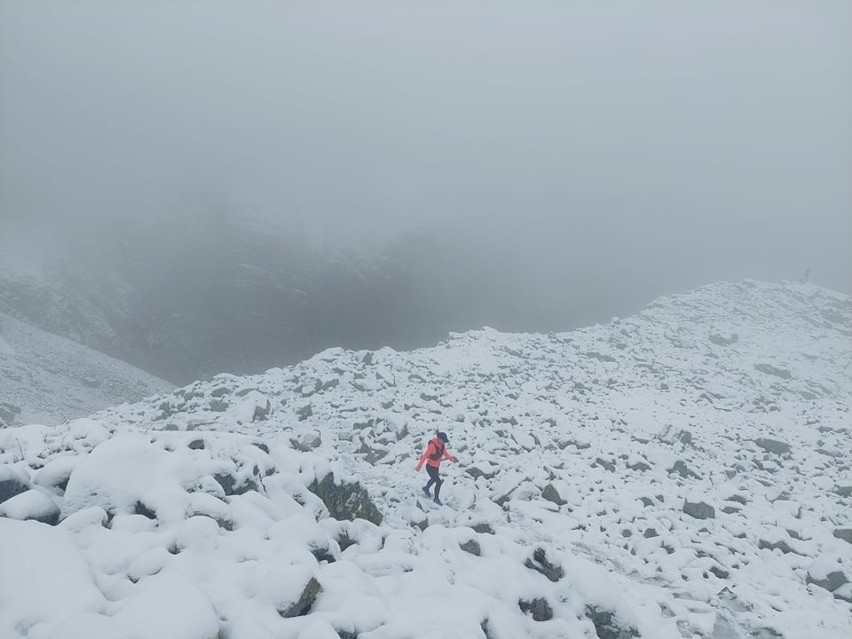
[[540, 563], [607, 625], [232, 486], [472, 547], [538, 607], [832, 581], [346, 501], [721, 340], [773, 446], [683, 470], [844, 533], [302, 606], [776, 545], [609, 465], [484, 529], [771, 370], [476, 473], [551, 494], [720, 572], [699, 510], [142, 509]]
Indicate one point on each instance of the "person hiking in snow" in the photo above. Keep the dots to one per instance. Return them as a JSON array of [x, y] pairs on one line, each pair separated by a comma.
[[435, 453]]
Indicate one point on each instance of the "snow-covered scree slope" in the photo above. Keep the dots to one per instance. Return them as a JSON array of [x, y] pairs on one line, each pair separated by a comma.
[[46, 378], [681, 473]]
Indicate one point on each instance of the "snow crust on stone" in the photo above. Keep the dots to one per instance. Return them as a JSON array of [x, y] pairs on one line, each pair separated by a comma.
[[191, 514]]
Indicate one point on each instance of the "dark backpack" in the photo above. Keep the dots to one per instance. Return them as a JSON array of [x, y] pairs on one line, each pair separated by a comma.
[[439, 452]]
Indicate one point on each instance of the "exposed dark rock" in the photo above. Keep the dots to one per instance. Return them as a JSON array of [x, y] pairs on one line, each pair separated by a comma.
[[551, 494], [483, 529], [721, 340], [11, 483], [771, 370], [683, 470], [773, 446], [600, 357], [322, 553], [472, 547], [699, 510], [232, 486], [218, 405], [640, 467], [262, 412], [345, 541], [607, 625], [650, 532], [779, 545], [196, 444], [144, 510], [304, 412], [302, 606], [538, 607], [832, 581], [844, 533], [844, 491], [719, 572], [346, 501], [540, 563], [738, 498], [476, 473], [609, 465]]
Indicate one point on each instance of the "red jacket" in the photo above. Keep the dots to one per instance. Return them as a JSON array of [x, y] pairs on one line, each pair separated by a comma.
[[436, 452]]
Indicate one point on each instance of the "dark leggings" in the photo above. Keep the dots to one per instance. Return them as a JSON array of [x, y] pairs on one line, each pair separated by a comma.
[[434, 479]]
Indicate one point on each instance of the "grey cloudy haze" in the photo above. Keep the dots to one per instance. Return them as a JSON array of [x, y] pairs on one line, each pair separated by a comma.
[[605, 153]]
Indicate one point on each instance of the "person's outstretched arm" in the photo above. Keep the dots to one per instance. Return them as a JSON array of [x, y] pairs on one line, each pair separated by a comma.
[[447, 455]]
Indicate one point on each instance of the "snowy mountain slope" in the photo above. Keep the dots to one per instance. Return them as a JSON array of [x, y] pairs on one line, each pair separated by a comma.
[[680, 473], [48, 379]]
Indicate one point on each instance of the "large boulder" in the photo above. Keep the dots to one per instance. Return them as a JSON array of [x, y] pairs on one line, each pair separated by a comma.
[[773, 446], [844, 533], [346, 501], [699, 509], [608, 625], [827, 572], [551, 494], [538, 608]]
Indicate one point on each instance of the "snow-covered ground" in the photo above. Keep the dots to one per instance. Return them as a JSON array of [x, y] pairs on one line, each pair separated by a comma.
[[47, 379], [680, 473]]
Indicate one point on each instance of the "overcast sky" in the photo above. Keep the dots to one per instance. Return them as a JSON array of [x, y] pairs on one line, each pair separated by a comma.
[[644, 148]]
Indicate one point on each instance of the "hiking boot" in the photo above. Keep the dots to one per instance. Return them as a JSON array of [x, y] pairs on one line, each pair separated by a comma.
[[438, 501], [426, 491]]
